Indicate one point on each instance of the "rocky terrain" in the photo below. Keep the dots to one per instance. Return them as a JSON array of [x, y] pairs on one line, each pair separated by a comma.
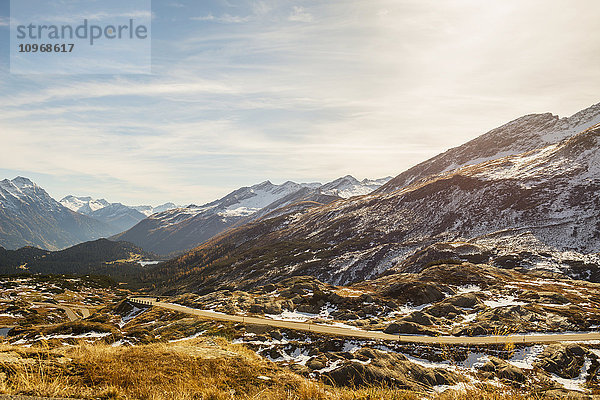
[[459, 298], [456, 299]]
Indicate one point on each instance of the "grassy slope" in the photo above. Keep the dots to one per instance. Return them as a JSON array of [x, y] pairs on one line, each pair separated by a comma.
[[199, 369]]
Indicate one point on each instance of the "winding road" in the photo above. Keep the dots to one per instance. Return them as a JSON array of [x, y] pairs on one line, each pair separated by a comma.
[[69, 309], [357, 333]]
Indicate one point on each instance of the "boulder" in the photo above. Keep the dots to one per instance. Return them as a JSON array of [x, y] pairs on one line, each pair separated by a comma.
[[564, 360], [409, 328], [504, 370], [417, 293], [389, 369], [419, 317], [442, 310], [466, 300]]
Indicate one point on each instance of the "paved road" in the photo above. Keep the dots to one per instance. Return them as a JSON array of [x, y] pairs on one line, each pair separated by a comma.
[[68, 309], [357, 333]]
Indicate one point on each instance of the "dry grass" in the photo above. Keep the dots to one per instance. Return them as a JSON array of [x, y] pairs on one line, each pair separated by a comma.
[[207, 368]]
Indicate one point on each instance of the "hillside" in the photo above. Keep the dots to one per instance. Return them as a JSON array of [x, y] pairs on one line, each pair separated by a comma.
[[548, 197], [524, 134], [97, 257]]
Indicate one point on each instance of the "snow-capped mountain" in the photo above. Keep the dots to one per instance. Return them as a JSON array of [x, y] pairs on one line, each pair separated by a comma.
[[149, 210], [83, 205], [548, 195], [30, 217], [181, 229], [527, 133], [117, 215], [348, 186]]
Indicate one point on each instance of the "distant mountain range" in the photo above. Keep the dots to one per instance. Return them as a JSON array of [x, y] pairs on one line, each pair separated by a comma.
[[526, 195], [30, 217], [181, 229], [120, 217]]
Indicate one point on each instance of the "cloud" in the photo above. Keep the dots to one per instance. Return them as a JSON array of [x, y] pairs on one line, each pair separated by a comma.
[[366, 88], [224, 19], [4, 21], [299, 14]]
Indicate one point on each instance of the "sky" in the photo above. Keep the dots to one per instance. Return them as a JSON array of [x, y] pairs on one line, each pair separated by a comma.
[[247, 91]]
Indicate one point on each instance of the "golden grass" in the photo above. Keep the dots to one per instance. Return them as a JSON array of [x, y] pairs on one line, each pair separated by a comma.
[[206, 368]]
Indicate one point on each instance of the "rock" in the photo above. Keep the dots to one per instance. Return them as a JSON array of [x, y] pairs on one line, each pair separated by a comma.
[[370, 309], [365, 298], [466, 300], [417, 293], [335, 298], [268, 288], [272, 308], [442, 310], [410, 328], [315, 364], [393, 370], [552, 298], [257, 309], [478, 329], [504, 370], [345, 315], [308, 308], [419, 317], [564, 360], [276, 335]]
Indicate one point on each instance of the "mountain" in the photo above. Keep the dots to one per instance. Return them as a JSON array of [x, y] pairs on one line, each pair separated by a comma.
[[527, 133], [149, 210], [83, 205], [30, 217], [349, 186], [181, 229], [118, 259], [120, 217], [546, 200]]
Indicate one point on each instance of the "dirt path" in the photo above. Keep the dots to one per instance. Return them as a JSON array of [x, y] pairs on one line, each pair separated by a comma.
[[357, 333]]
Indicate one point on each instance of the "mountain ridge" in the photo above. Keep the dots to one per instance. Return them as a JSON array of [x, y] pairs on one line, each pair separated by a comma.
[[550, 194], [29, 216], [181, 229], [523, 134]]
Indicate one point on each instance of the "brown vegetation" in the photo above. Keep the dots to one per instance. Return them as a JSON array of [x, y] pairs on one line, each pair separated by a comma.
[[208, 368]]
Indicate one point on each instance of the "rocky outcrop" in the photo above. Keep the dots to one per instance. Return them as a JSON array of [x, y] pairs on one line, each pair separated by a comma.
[[564, 360], [503, 370], [370, 366]]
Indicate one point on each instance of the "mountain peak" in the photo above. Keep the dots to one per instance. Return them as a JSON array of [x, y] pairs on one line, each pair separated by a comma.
[[262, 185], [22, 181]]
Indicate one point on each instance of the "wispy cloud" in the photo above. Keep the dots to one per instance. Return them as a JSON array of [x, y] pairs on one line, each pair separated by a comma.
[[306, 91], [299, 14], [225, 19]]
